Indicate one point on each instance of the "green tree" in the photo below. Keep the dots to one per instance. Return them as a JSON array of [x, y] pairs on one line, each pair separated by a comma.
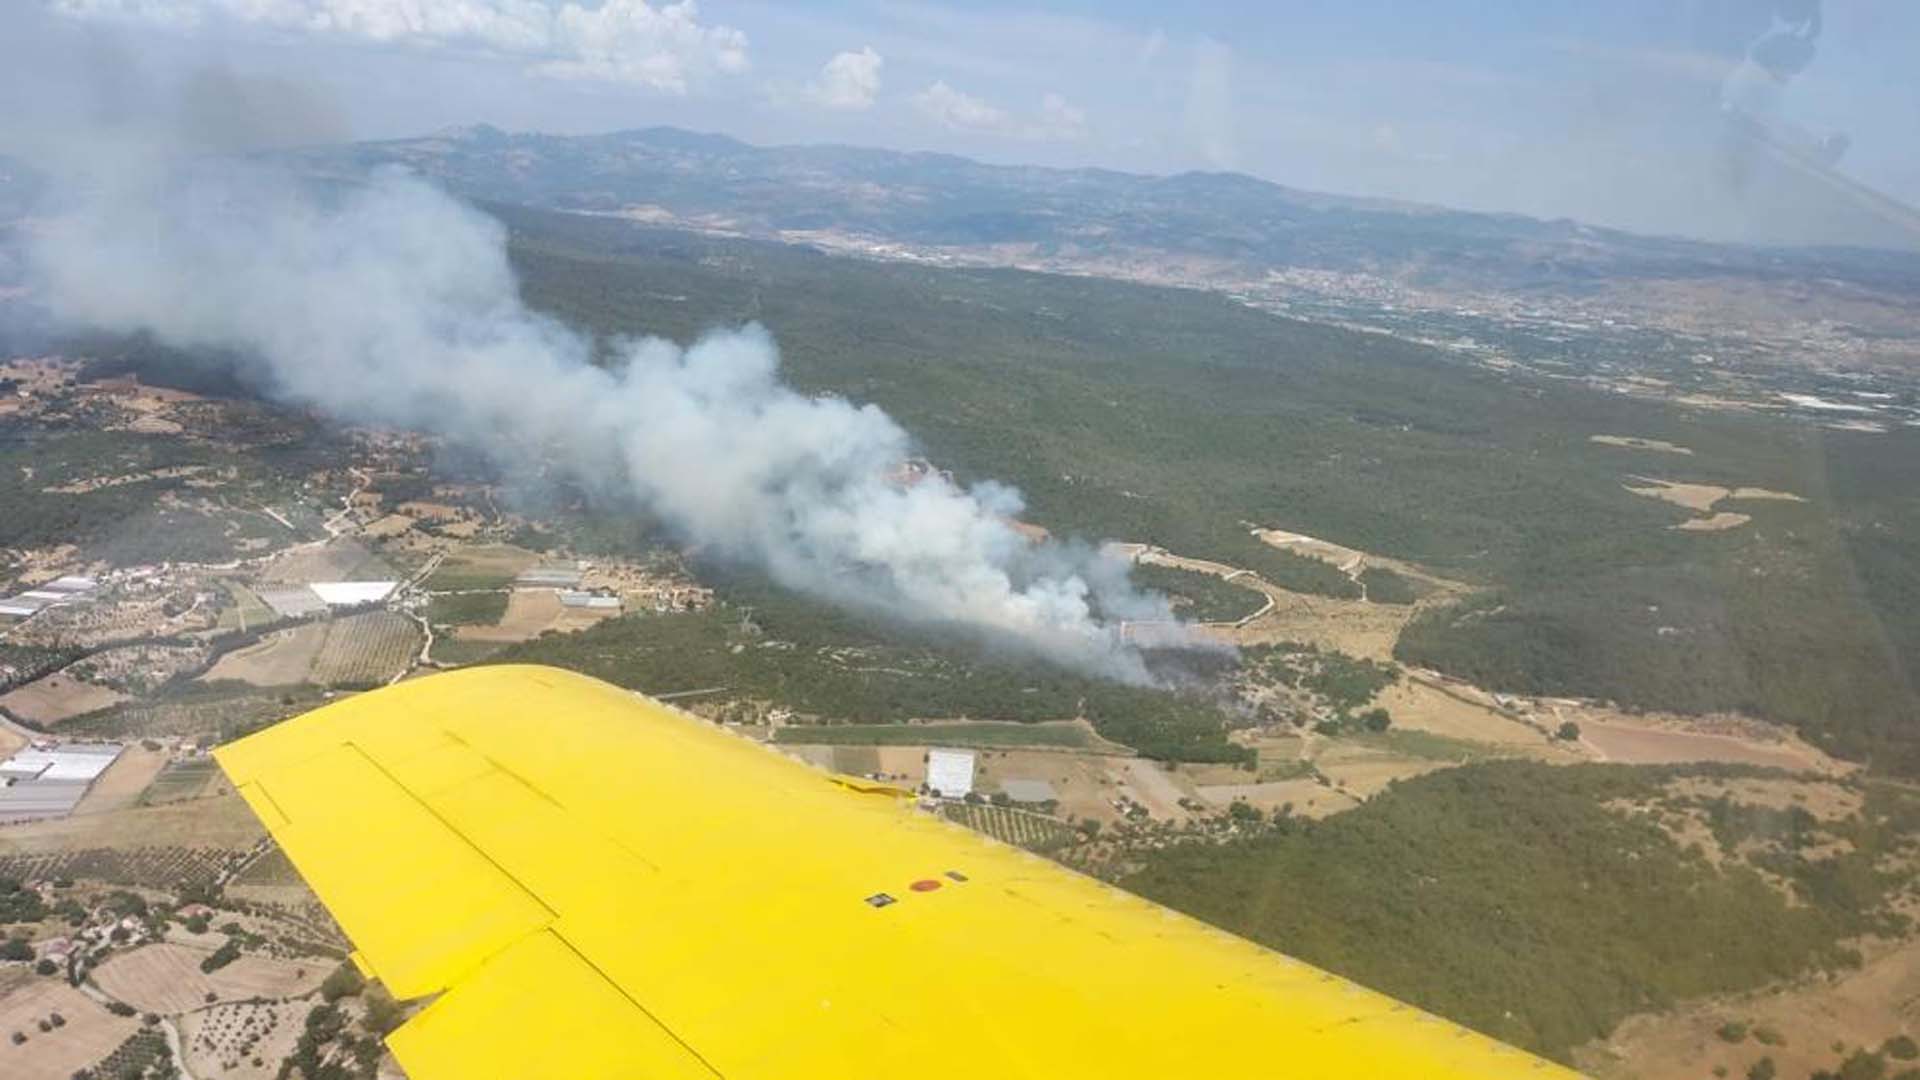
[[383, 1013], [227, 953], [345, 981]]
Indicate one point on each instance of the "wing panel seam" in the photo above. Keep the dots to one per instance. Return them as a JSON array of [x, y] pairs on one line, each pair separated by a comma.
[[552, 915], [635, 1002]]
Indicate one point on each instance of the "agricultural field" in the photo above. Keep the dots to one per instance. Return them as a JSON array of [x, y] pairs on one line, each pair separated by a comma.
[[1297, 797], [141, 1052], [87, 1034], [270, 869], [166, 978], [226, 1040], [903, 766], [124, 781], [1416, 744], [334, 560], [208, 712], [57, 697], [246, 611], [164, 841], [1420, 703], [527, 612], [157, 866], [191, 778], [281, 658], [1020, 828], [366, 650], [1362, 773], [1656, 740], [479, 567], [468, 608], [1067, 734], [457, 652]]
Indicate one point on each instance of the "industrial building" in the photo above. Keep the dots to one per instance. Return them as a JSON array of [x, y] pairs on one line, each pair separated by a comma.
[[950, 773], [300, 601], [575, 599], [43, 782], [353, 593], [61, 590]]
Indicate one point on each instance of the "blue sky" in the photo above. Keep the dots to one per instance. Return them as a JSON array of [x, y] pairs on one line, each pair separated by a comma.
[[1599, 111]]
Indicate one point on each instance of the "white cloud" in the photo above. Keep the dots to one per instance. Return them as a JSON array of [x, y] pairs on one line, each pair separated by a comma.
[[662, 46], [851, 80], [956, 111], [1058, 120]]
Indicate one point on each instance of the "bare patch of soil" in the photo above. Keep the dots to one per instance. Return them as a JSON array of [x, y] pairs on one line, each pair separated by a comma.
[[166, 978], [58, 697], [120, 786], [89, 1034], [1636, 443], [282, 658], [1860, 1008]]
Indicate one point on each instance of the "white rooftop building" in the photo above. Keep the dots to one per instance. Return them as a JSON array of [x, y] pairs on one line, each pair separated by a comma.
[[43, 783], [60, 590], [297, 601], [353, 593], [950, 773], [72, 762], [577, 599]]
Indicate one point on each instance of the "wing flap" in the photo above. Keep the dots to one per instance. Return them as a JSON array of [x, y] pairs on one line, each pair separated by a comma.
[[535, 1011], [422, 905]]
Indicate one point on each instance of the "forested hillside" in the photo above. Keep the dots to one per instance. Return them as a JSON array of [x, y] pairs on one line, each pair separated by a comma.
[[1179, 418], [1521, 900]]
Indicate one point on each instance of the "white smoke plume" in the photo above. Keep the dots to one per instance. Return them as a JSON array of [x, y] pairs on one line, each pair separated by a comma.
[[393, 303]]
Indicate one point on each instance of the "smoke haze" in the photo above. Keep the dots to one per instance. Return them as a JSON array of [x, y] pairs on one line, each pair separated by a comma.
[[393, 303]]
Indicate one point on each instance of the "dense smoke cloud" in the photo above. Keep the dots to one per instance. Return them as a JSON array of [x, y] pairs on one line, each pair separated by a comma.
[[394, 303]]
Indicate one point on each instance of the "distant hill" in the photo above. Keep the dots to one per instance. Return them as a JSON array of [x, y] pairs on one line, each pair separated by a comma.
[[1220, 225]]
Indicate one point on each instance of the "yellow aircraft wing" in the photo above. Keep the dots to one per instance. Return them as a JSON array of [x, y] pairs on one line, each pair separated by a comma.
[[598, 886]]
